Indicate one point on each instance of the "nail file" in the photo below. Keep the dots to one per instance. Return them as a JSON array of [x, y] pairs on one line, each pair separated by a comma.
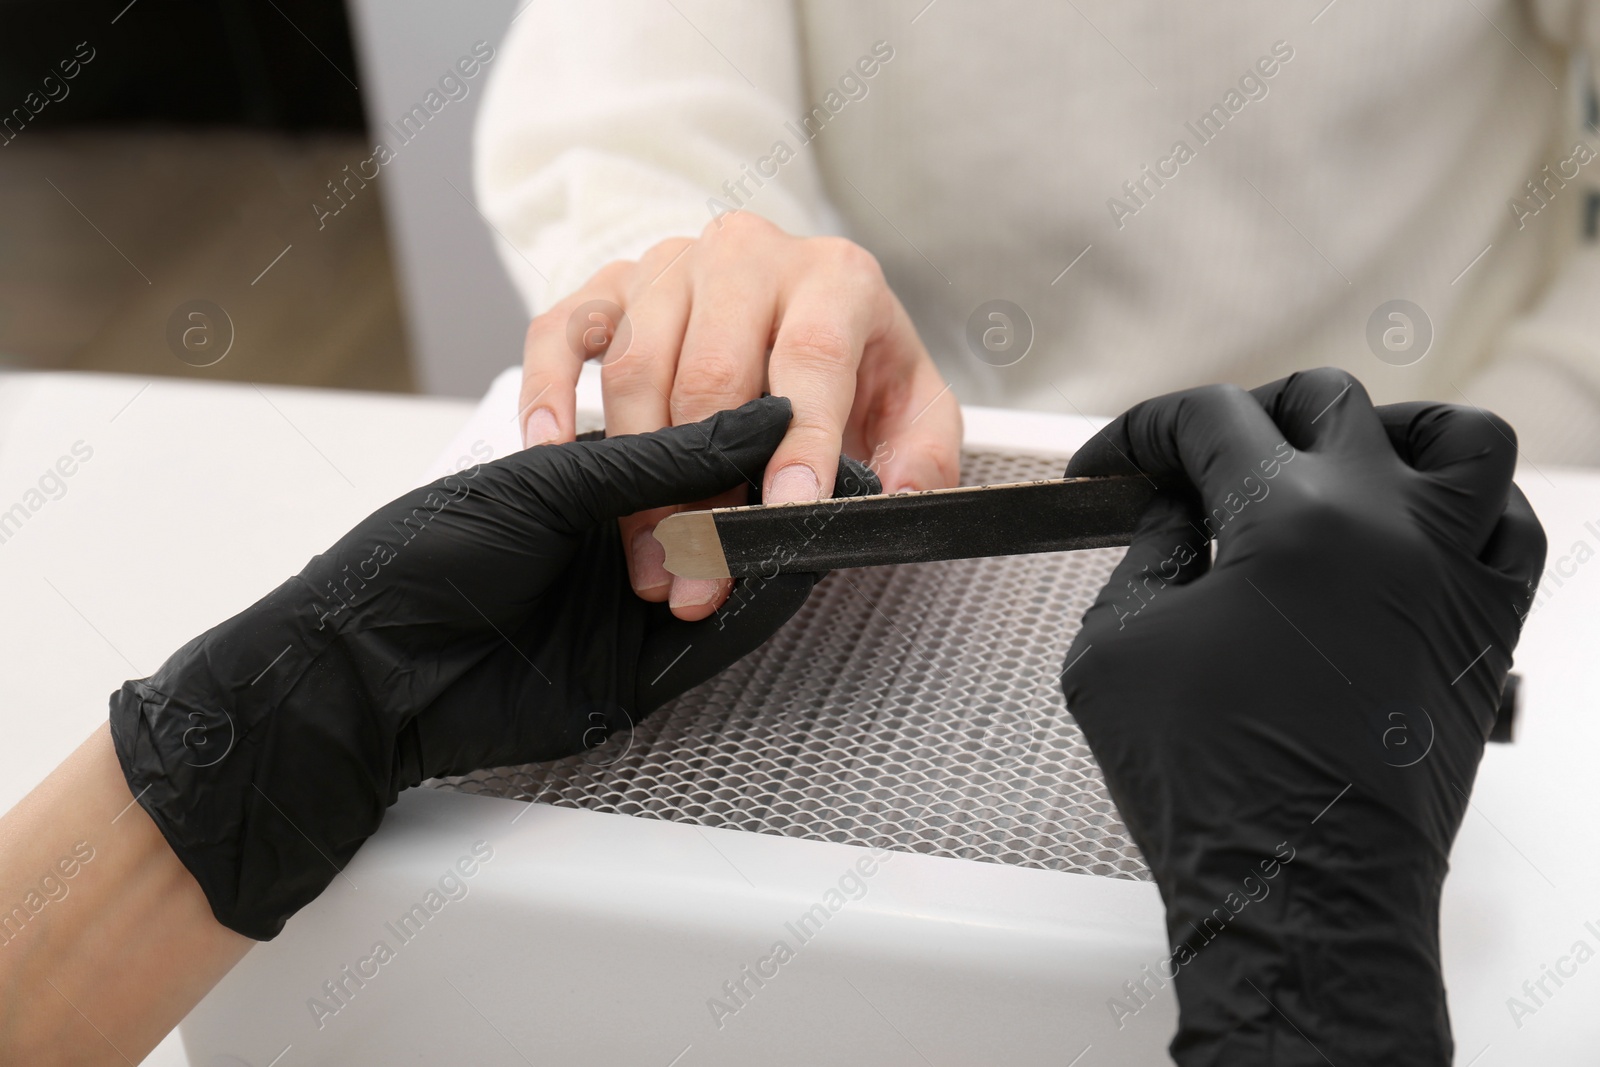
[[871, 531]]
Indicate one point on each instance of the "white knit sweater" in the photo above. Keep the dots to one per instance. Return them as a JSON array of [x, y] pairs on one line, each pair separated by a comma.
[[1173, 194]]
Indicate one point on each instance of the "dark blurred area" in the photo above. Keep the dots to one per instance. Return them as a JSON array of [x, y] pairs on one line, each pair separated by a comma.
[[162, 152], [283, 65]]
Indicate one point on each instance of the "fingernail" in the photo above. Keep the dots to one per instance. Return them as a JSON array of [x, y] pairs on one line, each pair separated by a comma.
[[905, 489], [693, 592], [795, 482], [541, 428], [648, 564]]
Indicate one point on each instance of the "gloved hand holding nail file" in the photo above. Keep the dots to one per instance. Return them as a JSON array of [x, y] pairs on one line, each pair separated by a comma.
[[485, 620], [1291, 731]]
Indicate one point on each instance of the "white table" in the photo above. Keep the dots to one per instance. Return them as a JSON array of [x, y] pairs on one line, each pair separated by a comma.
[[197, 499]]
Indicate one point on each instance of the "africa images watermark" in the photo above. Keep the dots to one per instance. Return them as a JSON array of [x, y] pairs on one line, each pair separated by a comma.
[[1140, 993], [999, 333], [1536, 992], [1564, 567], [53, 887], [1542, 188], [51, 485], [53, 88], [852, 86], [451, 489], [455, 84], [740, 990], [1255, 490], [1399, 332], [1253, 85], [200, 332], [340, 991]]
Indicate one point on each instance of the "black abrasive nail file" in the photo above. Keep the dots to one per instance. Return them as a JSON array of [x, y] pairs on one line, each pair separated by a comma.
[[870, 531]]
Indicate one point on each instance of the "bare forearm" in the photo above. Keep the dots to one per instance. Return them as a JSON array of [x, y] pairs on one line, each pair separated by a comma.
[[106, 941]]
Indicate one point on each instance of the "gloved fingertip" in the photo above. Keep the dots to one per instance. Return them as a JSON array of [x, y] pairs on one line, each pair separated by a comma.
[[855, 478], [753, 418], [1517, 545], [1104, 455]]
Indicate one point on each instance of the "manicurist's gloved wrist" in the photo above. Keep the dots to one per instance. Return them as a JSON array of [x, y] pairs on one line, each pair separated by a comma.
[[485, 620], [1291, 732]]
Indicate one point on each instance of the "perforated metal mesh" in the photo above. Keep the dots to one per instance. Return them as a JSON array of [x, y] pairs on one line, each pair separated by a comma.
[[914, 707]]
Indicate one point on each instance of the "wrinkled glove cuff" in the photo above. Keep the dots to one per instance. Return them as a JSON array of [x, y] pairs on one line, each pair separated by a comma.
[[196, 739]]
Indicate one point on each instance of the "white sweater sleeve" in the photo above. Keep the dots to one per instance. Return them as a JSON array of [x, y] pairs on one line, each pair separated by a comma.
[[610, 125], [1544, 372]]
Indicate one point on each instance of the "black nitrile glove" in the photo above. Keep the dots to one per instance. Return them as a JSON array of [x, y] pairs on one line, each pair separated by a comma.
[[1291, 732], [483, 621]]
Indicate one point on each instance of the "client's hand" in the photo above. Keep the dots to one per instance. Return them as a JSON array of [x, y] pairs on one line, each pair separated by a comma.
[[702, 324]]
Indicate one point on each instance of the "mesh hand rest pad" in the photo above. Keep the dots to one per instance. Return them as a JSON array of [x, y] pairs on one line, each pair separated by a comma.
[[915, 707]]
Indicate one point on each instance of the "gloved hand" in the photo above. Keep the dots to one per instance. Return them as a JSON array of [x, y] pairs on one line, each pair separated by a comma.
[[482, 621], [1291, 731]]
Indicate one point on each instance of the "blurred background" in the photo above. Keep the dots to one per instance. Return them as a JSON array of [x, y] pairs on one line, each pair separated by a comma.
[[181, 178]]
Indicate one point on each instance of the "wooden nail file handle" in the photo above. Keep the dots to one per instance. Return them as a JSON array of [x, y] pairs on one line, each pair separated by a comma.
[[869, 531]]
